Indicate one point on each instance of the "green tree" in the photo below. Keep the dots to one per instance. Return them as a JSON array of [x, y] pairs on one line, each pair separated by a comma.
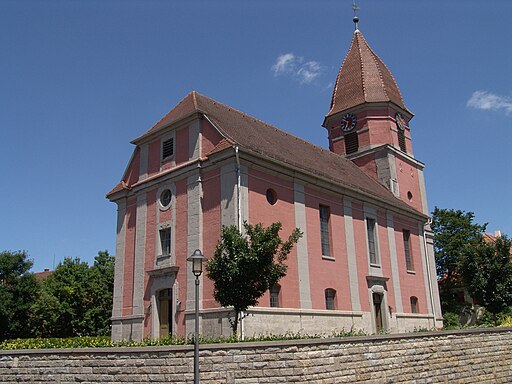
[[454, 234], [245, 266], [486, 271], [76, 299], [101, 276], [68, 284], [18, 291]]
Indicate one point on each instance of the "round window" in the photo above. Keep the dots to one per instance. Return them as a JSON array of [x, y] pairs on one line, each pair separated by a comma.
[[409, 195], [271, 196], [165, 198]]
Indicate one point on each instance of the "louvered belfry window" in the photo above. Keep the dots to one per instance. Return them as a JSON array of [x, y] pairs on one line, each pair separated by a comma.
[[351, 143], [401, 140], [168, 148]]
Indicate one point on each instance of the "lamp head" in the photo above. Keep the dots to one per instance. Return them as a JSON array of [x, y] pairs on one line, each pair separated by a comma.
[[197, 259]]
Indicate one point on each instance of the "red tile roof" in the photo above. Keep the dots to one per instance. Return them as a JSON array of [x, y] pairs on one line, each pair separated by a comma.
[[363, 78], [267, 141], [43, 275]]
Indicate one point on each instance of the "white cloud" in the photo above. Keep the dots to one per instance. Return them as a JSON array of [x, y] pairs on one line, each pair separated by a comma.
[[284, 64], [295, 66], [309, 71], [489, 101]]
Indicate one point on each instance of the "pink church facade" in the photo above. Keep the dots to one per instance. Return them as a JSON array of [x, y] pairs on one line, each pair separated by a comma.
[[366, 258]]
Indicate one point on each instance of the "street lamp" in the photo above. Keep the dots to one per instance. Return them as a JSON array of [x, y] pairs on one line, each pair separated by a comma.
[[197, 259]]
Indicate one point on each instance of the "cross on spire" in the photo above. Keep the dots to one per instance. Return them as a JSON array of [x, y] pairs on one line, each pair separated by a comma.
[[355, 8]]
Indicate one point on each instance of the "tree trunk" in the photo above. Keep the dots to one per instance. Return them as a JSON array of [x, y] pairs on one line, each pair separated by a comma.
[[234, 324]]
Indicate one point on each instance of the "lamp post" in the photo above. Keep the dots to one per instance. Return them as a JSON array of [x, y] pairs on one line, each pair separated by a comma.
[[196, 259]]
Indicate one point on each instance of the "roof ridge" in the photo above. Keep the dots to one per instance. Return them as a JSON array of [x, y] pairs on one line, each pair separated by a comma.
[[172, 109], [361, 61], [194, 99], [376, 59], [378, 63], [244, 114], [228, 107], [338, 76]]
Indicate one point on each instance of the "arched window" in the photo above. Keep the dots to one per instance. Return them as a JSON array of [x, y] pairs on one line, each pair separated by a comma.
[[330, 298], [275, 293], [414, 304]]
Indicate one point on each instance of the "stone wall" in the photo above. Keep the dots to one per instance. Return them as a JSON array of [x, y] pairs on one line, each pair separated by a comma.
[[475, 356]]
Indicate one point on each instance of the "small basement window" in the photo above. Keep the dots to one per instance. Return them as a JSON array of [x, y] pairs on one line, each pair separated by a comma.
[[168, 148]]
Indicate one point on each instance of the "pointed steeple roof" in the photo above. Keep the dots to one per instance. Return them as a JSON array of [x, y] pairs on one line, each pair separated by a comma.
[[363, 78]]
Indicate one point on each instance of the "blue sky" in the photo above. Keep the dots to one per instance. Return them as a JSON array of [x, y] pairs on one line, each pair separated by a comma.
[[80, 79]]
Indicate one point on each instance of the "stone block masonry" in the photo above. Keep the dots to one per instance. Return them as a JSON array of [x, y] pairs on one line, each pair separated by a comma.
[[468, 356]]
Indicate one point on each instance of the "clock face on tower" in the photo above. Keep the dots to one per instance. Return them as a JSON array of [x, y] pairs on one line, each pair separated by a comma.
[[348, 122], [400, 121]]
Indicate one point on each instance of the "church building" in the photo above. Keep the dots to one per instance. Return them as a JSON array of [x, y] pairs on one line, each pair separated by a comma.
[[366, 258]]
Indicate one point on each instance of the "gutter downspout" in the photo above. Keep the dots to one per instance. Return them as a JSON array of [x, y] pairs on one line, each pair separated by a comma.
[[239, 220], [429, 277]]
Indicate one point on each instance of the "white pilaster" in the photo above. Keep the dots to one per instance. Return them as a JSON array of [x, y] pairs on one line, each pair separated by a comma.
[[194, 234], [228, 185], [425, 268], [423, 192], [194, 140], [244, 193], [351, 256], [395, 273], [117, 304], [140, 251], [143, 161], [302, 247]]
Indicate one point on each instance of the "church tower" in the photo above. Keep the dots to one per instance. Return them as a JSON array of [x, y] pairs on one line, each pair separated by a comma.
[[368, 123]]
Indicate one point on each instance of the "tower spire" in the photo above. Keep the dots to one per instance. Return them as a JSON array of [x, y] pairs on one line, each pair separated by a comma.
[[355, 8]]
